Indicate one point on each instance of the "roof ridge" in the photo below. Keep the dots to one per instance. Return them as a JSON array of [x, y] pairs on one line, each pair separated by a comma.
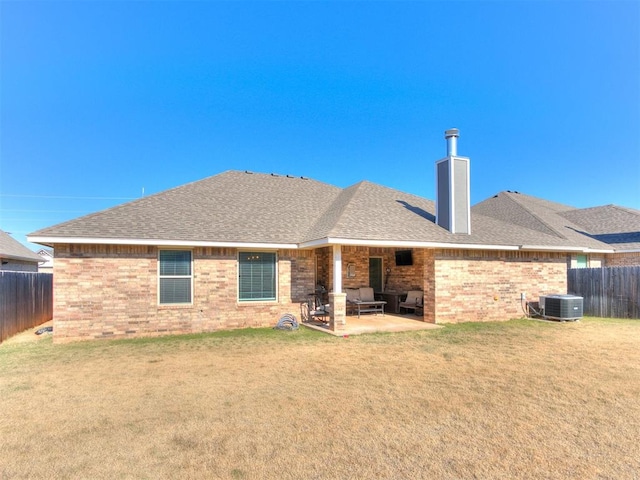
[[538, 218], [542, 201], [600, 208], [488, 209], [624, 209], [331, 215]]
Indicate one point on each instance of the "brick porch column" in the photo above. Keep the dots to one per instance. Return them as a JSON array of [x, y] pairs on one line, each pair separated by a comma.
[[338, 318]]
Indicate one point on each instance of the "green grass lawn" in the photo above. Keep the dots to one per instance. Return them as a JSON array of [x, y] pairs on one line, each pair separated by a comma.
[[521, 399]]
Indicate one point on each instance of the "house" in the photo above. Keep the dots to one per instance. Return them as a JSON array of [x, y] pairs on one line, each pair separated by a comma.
[[46, 260], [240, 249], [613, 225], [15, 256]]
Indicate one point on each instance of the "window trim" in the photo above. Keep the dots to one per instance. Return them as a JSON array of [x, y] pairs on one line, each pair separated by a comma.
[[276, 286], [191, 277]]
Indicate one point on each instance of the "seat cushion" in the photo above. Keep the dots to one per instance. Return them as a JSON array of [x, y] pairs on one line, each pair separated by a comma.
[[353, 294], [414, 297], [366, 294]]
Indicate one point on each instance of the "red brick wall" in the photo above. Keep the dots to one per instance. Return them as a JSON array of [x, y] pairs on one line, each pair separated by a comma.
[[406, 277], [429, 286], [486, 285], [400, 279], [324, 259], [104, 291], [359, 256], [463, 285], [622, 260], [466, 285]]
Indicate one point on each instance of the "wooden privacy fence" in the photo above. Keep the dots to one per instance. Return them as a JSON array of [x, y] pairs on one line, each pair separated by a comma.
[[607, 292], [26, 300]]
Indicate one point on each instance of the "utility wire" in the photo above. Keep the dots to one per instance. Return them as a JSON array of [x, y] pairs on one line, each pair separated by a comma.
[[39, 211], [6, 219], [66, 197]]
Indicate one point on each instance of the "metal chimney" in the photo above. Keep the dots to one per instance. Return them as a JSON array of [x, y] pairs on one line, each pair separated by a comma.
[[453, 209], [452, 141]]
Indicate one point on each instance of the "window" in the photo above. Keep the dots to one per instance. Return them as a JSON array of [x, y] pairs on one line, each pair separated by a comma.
[[581, 261], [175, 276], [257, 276]]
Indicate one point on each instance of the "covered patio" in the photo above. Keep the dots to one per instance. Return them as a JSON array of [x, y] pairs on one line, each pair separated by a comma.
[[374, 323], [341, 269]]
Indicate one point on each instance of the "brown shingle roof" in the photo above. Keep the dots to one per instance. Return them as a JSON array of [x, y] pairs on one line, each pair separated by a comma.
[[13, 249], [541, 218], [607, 227], [230, 207], [519, 209], [367, 211], [241, 207], [614, 225]]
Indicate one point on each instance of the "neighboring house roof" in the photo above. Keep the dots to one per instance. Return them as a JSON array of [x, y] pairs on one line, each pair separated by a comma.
[[45, 253], [12, 249], [46, 257], [251, 209], [617, 226], [540, 217], [612, 227]]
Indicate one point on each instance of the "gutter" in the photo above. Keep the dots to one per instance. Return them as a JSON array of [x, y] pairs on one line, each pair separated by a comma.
[[311, 244], [545, 248], [5, 256], [157, 242], [407, 244]]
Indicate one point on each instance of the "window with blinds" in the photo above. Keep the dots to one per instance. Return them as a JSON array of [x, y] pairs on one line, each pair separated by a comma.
[[257, 276], [175, 277]]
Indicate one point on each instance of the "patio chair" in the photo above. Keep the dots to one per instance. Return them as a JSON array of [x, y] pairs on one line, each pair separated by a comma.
[[313, 309], [353, 296], [413, 301]]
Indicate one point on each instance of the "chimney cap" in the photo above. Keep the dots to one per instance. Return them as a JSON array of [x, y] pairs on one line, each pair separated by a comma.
[[452, 132]]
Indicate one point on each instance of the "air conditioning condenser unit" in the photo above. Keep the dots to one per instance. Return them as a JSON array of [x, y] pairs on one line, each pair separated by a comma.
[[561, 307]]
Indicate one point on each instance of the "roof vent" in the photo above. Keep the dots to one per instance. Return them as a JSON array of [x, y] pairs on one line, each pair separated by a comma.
[[453, 207]]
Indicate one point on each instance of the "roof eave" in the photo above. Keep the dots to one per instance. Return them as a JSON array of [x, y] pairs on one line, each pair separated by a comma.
[[51, 240], [457, 246], [561, 248], [48, 240], [402, 243], [20, 258]]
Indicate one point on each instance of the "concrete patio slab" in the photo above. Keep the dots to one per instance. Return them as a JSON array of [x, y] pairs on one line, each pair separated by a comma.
[[375, 323]]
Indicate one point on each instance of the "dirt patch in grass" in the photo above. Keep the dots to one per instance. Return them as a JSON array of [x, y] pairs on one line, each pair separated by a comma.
[[521, 399], [30, 335]]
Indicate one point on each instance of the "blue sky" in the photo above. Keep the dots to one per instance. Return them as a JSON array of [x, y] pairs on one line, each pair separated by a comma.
[[100, 100]]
